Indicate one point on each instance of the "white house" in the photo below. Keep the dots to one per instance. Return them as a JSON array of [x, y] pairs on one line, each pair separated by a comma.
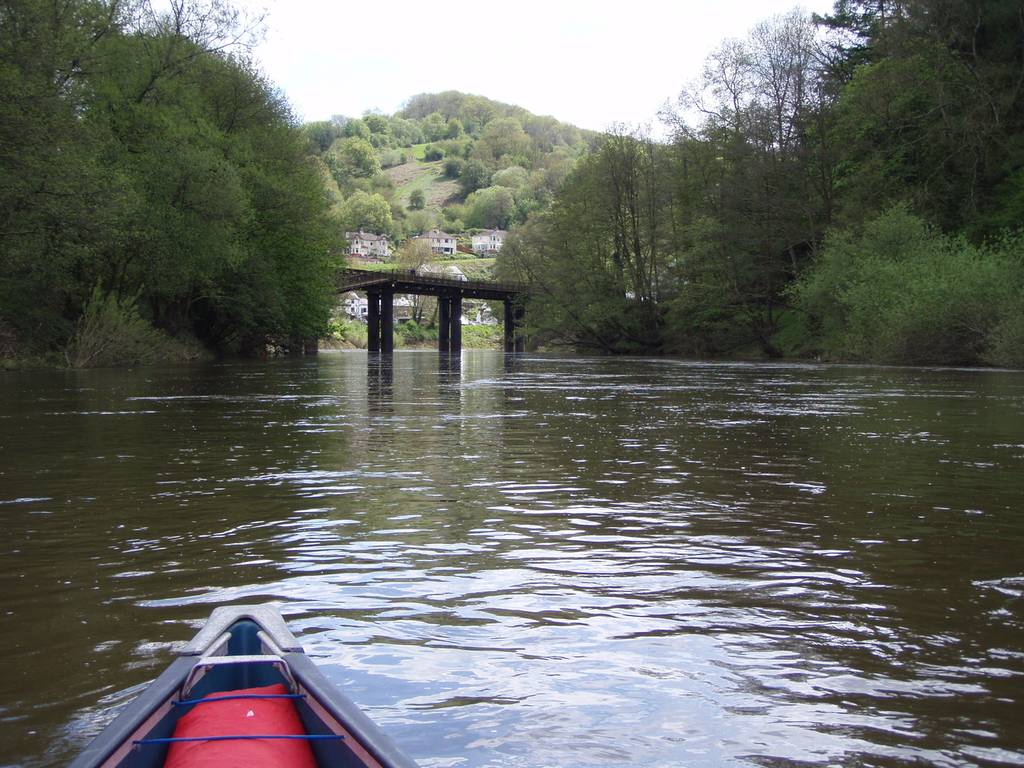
[[489, 241], [442, 270], [358, 307], [440, 242], [368, 245], [355, 306]]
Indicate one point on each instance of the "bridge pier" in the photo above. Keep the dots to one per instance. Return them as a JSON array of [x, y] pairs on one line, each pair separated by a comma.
[[456, 348], [449, 324], [514, 340], [380, 321], [444, 324], [373, 321], [387, 322]]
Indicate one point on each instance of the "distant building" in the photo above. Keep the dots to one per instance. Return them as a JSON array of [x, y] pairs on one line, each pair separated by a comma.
[[488, 242], [368, 245], [357, 307], [442, 270], [440, 242]]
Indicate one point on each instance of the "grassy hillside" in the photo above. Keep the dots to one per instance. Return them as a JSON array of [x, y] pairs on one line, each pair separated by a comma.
[[427, 177]]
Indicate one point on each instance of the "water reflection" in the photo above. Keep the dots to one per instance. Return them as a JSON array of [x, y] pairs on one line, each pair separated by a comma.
[[526, 560]]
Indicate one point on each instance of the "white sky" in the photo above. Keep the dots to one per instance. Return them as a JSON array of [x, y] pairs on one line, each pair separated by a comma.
[[591, 64]]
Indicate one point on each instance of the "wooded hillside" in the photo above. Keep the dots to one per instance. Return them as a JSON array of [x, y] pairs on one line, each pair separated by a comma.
[[448, 160]]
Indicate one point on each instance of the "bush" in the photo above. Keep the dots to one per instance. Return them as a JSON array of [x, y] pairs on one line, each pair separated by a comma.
[[483, 336], [346, 331], [392, 157], [902, 292], [432, 153], [111, 332], [453, 167], [412, 332]]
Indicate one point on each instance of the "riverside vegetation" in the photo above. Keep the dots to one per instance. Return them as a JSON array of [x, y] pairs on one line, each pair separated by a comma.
[[846, 187], [150, 178]]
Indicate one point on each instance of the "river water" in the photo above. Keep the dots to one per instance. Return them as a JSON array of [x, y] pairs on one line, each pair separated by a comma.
[[540, 561]]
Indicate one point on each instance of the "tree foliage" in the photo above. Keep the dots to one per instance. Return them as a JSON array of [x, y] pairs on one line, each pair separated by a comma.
[[898, 290], [143, 153], [366, 212], [352, 158], [873, 160]]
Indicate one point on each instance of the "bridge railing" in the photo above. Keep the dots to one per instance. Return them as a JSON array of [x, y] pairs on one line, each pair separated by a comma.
[[362, 277]]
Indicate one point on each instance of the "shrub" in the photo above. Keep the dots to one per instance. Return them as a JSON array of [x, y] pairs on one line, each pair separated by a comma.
[[391, 157], [432, 153], [412, 332], [901, 292], [346, 331], [453, 167], [111, 332]]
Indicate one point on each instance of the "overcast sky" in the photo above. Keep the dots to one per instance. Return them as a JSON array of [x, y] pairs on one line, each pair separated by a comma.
[[587, 63]]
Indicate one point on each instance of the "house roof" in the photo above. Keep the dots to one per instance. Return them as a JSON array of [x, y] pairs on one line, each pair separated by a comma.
[[488, 232], [369, 236], [436, 234]]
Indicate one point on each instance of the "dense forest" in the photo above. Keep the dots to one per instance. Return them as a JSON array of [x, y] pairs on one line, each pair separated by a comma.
[[848, 187], [156, 195]]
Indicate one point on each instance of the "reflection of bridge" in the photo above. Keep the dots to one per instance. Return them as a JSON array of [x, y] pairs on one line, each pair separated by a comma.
[[381, 288]]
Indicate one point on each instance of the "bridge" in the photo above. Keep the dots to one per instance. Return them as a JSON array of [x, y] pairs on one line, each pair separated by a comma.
[[381, 287]]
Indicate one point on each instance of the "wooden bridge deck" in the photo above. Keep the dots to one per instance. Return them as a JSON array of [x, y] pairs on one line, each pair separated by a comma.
[[411, 281]]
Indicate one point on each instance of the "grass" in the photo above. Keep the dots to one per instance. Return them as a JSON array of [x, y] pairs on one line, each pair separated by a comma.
[[373, 266], [417, 174]]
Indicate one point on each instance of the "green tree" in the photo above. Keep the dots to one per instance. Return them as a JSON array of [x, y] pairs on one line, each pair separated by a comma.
[[144, 157], [367, 212], [514, 177], [321, 135], [474, 175], [417, 200], [352, 157], [434, 127], [454, 129], [595, 260], [377, 123], [413, 255], [490, 207], [405, 132], [752, 192], [355, 128], [503, 142]]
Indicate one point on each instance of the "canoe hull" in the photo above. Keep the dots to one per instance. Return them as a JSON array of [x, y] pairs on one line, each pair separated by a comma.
[[243, 633]]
